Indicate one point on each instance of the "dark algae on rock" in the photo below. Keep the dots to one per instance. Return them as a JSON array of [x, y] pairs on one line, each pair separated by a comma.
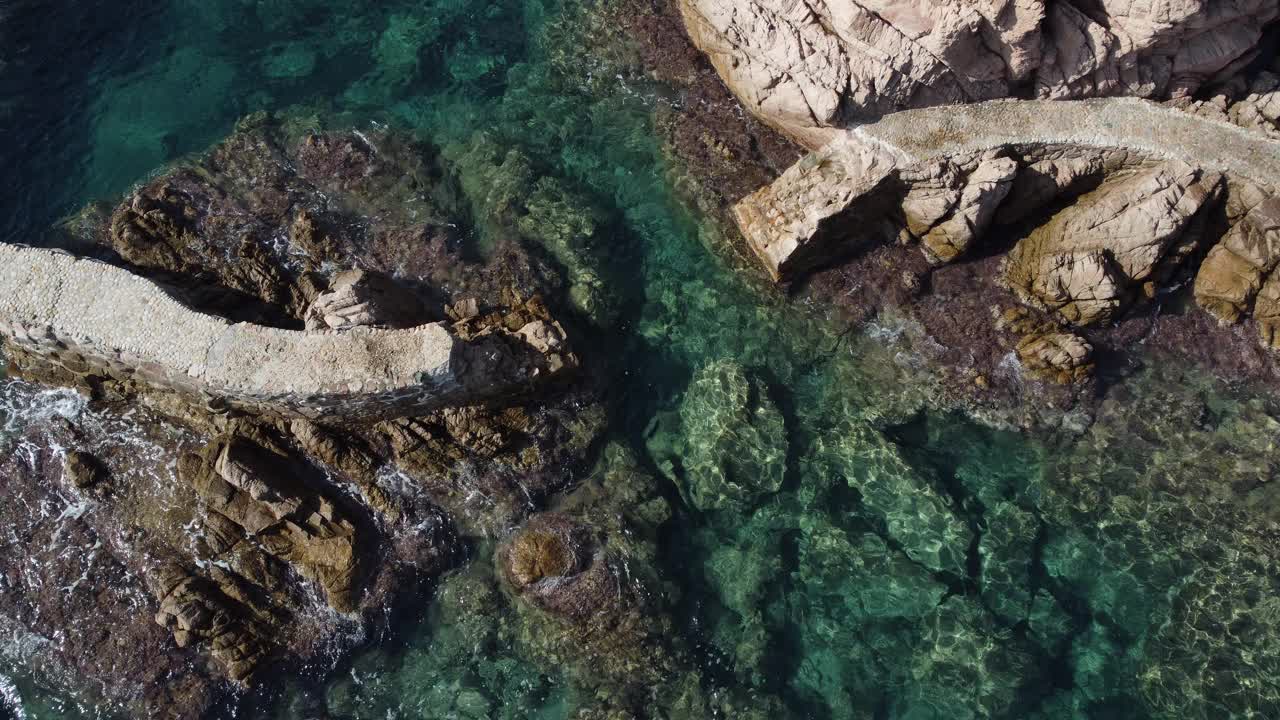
[[891, 489]]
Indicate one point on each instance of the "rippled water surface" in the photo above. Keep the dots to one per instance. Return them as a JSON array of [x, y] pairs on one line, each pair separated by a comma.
[[886, 559]]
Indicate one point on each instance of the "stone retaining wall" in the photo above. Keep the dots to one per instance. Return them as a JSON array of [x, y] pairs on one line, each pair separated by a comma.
[[92, 317]]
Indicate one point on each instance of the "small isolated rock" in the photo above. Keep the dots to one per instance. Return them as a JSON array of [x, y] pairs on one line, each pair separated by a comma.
[[82, 469], [463, 310], [1063, 358], [358, 299]]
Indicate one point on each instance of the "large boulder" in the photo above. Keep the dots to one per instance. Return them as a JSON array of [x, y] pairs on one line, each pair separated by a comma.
[[1089, 260], [952, 202], [1235, 270], [808, 67]]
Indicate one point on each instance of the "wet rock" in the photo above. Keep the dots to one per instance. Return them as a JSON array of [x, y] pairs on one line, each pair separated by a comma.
[[1062, 358], [276, 542], [1006, 550], [249, 487], [587, 596], [349, 456], [1089, 260], [807, 67], [197, 612], [360, 299], [82, 469], [735, 442]]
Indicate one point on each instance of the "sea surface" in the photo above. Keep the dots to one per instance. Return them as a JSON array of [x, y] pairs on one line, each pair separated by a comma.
[[909, 563]]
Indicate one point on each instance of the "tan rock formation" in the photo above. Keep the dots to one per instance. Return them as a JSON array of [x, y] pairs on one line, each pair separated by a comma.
[[1090, 258], [361, 299], [905, 171], [793, 224], [1235, 270], [1063, 358], [805, 67], [952, 203]]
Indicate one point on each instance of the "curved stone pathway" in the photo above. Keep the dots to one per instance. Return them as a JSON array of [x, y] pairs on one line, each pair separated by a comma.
[[89, 316], [835, 195]]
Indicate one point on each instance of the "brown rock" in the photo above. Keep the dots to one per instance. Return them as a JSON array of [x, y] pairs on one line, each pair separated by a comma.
[[1087, 262], [81, 469], [1063, 358]]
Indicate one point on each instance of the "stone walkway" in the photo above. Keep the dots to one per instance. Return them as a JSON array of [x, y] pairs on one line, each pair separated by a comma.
[[88, 315]]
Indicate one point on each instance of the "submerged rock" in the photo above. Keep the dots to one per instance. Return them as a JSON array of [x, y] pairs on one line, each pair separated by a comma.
[[896, 494], [734, 439]]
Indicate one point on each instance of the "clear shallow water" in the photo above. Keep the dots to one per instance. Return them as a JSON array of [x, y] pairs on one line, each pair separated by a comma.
[[884, 561]]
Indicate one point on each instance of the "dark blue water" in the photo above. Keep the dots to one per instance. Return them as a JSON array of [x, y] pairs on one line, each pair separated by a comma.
[[887, 560]]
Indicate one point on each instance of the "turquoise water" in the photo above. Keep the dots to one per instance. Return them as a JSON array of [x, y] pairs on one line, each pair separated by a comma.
[[838, 547]]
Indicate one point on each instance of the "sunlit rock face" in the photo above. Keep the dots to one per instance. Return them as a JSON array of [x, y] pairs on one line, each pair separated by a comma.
[[806, 67], [1095, 210]]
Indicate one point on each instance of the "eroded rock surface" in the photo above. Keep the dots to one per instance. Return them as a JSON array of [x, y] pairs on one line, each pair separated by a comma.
[[1087, 262], [808, 67]]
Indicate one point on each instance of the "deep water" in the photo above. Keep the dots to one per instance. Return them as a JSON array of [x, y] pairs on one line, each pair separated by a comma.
[[840, 548]]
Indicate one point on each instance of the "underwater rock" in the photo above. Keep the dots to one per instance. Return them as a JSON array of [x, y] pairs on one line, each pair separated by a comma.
[[1006, 549], [735, 441], [804, 68], [896, 494], [967, 665]]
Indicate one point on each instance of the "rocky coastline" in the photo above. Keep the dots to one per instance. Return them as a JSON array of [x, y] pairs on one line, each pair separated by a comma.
[[999, 352], [203, 541], [264, 529]]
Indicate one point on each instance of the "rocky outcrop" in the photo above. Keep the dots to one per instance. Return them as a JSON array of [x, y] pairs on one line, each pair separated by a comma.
[[1088, 261], [951, 204], [808, 67], [1109, 202], [1234, 272], [1061, 149], [89, 315], [252, 480]]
